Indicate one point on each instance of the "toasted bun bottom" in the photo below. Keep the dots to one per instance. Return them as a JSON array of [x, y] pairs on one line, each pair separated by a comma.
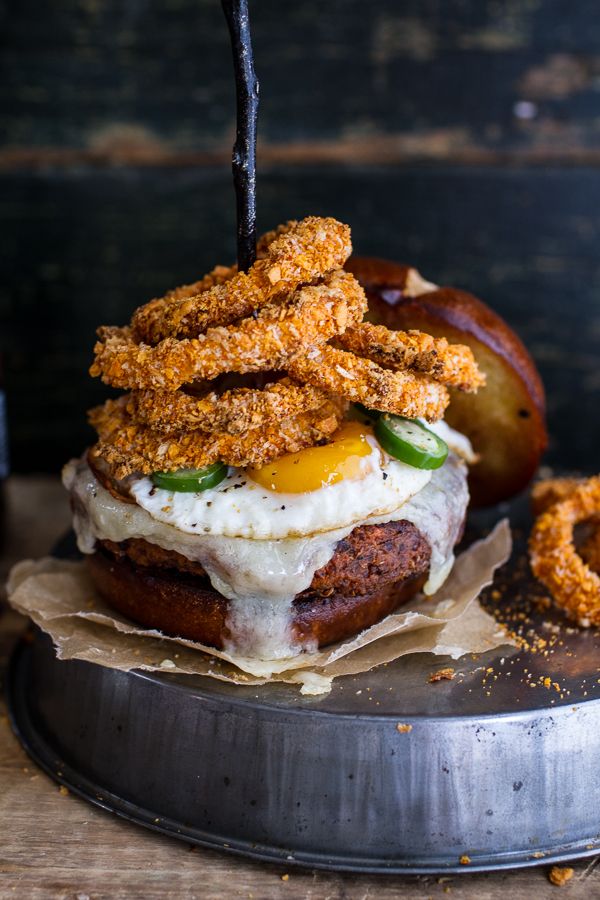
[[188, 607]]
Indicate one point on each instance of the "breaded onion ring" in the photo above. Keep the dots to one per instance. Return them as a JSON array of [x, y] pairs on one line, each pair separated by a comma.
[[128, 447], [218, 275], [555, 560], [308, 250], [262, 245], [146, 314], [546, 493], [234, 411], [452, 364], [154, 309], [363, 381], [313, 314]]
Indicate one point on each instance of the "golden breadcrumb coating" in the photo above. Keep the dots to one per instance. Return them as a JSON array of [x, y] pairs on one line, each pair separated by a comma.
[[452, 364], [277, 317], [234, 411], [155, 309], [554, 557], [546, 493], [306, 251], [267, 341], [219, 275], [128, 446], [363, 381]]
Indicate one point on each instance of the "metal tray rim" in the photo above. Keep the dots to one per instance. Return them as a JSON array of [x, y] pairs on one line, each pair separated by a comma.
[[40, 750], [522, 713]]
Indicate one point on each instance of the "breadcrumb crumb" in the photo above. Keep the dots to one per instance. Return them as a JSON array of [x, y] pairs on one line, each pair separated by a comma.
[[559, 875]]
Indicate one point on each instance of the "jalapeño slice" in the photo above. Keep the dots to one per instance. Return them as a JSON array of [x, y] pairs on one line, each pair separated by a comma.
[[411, 442], [190, 480]]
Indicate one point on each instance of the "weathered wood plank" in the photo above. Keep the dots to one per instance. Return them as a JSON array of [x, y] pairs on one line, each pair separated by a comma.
[[55, 846], [80, 251], [151, 83], [37, 513]]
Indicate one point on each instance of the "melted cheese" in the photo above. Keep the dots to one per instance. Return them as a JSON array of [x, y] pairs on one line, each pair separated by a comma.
[[261, 577]]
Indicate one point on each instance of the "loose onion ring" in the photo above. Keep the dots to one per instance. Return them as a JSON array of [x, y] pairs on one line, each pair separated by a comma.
[[267, 341], [234, 411], [128, 447], [304, 252], [546, 493], [554, 557], [452, 364], [363, 381]]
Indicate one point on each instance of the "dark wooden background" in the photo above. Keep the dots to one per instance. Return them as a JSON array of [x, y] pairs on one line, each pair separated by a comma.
[[462, 136]]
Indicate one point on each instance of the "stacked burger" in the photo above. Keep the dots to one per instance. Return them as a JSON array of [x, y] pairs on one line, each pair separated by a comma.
[[277, 477]]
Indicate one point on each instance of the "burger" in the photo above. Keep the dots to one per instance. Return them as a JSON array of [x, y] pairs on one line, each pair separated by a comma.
[[291, 461]]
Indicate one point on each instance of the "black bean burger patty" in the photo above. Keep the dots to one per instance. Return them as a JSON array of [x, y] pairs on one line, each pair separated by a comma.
[[369, 559], [373, 571]]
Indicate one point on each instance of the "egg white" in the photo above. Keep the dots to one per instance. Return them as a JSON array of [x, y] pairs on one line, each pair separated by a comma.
[[239, 507]]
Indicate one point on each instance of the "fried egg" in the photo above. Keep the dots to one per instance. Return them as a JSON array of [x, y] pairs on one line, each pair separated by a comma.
[[347, 481]]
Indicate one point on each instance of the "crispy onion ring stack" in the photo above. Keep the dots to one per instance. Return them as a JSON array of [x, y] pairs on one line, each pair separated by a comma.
[[295, 312]]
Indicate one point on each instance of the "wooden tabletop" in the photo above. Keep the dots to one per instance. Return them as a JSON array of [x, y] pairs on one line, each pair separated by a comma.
[[54, 845]]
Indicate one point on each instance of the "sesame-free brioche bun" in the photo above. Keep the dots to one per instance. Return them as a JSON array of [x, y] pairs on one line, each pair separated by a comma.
[[505, 420]]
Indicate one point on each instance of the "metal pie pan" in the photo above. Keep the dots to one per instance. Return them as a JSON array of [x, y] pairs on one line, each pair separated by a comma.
[[330, 782]]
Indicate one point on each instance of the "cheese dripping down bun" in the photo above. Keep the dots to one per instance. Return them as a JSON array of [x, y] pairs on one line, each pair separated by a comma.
[[262, 534]]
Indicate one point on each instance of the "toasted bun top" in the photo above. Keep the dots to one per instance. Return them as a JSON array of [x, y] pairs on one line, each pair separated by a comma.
[[505, 420], [467, 313]]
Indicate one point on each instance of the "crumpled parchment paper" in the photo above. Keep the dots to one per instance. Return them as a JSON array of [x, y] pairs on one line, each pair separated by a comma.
[[60, 598]]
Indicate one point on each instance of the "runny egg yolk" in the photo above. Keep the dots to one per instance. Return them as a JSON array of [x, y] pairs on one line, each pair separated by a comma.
[[317, 467]]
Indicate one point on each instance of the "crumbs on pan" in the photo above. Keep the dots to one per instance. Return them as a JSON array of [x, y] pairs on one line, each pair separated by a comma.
[[446, 674], [550, 654]]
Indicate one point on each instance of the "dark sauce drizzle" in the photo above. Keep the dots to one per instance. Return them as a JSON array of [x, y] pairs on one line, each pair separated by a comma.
[[244, 149]]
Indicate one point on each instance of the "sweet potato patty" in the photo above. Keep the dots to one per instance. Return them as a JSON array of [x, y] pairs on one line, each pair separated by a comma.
[[369, 559]]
